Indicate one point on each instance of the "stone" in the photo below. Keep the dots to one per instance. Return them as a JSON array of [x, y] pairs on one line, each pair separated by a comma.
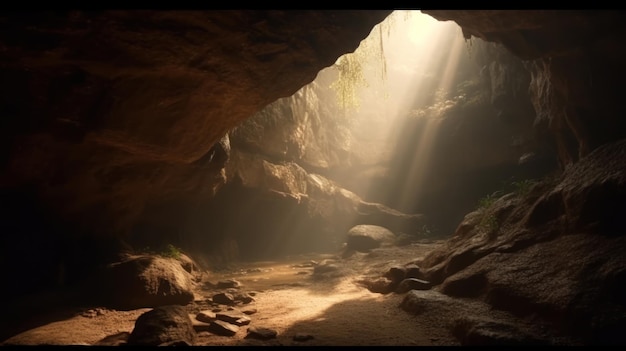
[[365, 237], [262, 333], [161, 325], [223, 299], [223, 328], [200, 325], [234, 317], [395, 274], [145, 281], [206, 316], [226, 284], [412, 284], [380, 285], [301, 337], [249, 310]]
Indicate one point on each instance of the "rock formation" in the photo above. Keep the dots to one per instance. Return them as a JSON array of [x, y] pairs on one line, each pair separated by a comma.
[[110, 117]]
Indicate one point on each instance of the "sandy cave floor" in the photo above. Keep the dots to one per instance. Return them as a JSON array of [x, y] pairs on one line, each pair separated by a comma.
[[335, 309]]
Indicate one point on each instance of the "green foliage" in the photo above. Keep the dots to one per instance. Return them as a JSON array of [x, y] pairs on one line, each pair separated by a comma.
[[489, 224], [171, 251], [486, 201], [370, 53], [522, 187], [350, 79]]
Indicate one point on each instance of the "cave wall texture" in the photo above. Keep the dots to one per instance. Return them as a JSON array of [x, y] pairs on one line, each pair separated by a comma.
[[106, 114]]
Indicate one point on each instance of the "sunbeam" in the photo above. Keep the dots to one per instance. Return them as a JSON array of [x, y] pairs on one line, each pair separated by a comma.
[[400, 109], [362, 135]]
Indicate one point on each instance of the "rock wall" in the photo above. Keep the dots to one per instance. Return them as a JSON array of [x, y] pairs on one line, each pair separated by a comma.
[[575, 61], [109, 117]]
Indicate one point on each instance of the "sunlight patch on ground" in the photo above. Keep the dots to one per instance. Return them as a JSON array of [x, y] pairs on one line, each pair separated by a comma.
[[310, 306]]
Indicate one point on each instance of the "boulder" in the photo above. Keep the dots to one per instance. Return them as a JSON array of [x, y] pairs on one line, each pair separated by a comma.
[[365, 237], [164, 325], [145, 281]]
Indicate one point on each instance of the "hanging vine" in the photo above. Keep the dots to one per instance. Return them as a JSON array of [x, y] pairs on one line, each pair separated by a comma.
[[348, 82], [350, 67]]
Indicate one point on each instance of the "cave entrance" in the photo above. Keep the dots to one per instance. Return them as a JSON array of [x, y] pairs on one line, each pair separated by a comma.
[[361, 144]]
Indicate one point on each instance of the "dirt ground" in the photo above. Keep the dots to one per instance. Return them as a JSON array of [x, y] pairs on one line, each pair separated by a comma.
[[334, 309]]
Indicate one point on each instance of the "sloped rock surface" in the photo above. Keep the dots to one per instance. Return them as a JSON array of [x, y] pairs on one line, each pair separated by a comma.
[[551, 256]]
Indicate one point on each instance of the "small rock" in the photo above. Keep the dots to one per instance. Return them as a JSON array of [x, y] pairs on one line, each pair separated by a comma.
[[412, 284], [228, 283], [224, 298], [244, 298], [206, 316], [233, 317], [413, 271], [161, 325], [262, 333], [302, 337], [396, 274], [199, 325], [381, 285], [249, 310], [365, 237], [219, 327]]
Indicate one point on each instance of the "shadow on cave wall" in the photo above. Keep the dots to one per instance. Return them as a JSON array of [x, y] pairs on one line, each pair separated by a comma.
[[42, 251]]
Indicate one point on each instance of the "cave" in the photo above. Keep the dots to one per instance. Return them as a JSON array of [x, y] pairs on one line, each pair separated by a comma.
[[384, 178]]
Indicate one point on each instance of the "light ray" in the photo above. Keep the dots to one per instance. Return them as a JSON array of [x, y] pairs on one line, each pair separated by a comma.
[[422, 56]]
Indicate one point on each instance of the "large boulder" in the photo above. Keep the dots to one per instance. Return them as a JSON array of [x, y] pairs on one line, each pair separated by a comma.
[[365, 237], [163, 326], [145, 281]]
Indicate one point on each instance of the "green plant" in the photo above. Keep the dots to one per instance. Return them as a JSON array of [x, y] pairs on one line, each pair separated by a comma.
[[370, 55], [171, 251], [350, 79], [486, 201], [488, 224], [523, 187]]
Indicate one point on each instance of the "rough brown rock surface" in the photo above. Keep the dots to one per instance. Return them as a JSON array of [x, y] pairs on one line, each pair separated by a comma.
[[575, 60], [113, 109], [109, 116]]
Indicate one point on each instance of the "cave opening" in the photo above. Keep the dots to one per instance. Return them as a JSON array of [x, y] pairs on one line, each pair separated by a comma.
[[417, 121]]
